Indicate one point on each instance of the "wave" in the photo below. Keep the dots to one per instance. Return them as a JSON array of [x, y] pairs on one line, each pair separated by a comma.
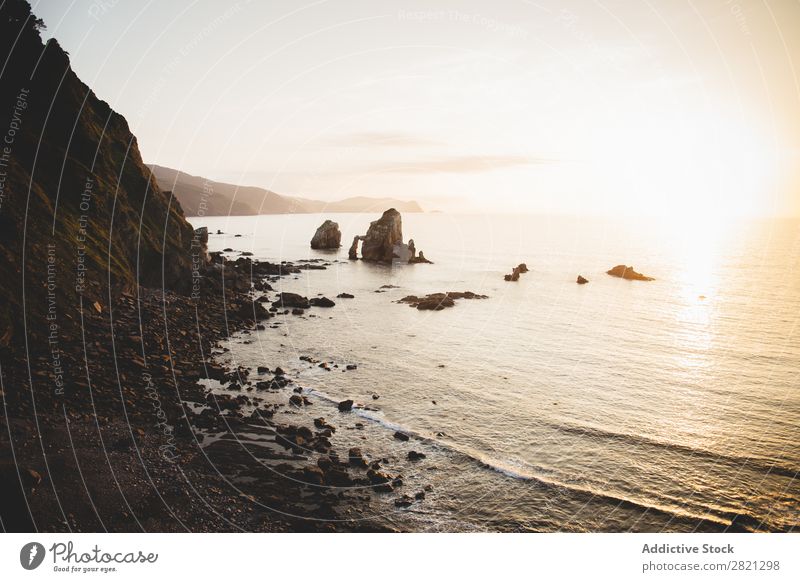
[[722, 519], [762, 465]]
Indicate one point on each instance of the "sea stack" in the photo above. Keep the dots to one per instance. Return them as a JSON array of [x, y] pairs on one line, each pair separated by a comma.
[[383, 234], [328, 236], [383, 242]]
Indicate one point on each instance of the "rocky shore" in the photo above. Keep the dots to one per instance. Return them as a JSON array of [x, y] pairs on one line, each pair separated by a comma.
[[138, 441], [117, 414]]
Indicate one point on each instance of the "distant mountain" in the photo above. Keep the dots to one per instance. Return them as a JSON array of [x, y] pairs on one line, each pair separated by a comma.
[[199, 195], [361, 204]]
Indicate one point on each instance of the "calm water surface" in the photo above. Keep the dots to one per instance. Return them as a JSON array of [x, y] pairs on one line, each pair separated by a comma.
[[613, 406]]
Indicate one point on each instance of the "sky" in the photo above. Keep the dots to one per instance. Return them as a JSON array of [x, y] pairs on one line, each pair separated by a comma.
[[620, 107]]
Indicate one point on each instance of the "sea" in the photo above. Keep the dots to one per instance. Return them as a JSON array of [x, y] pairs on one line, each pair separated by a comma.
[[667, 405]]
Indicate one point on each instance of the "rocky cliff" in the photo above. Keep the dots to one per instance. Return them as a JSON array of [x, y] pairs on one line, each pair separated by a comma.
[[80, 215]]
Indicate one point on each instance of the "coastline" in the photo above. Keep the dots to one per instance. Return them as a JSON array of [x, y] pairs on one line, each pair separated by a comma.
[[165, 449]]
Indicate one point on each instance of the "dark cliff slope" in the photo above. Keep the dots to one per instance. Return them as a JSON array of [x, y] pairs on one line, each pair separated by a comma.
[[79, 211]]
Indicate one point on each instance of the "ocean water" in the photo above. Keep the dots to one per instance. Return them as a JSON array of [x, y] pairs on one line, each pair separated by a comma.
[[671, 405]]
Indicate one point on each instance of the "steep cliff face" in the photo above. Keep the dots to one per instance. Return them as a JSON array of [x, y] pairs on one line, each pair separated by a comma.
[[80, 214]]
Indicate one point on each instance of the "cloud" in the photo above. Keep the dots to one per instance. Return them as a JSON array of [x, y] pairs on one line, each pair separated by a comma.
[[383, 139], [463, 164]]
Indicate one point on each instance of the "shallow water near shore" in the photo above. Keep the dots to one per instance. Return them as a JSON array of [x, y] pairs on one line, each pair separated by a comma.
[[617, 405]]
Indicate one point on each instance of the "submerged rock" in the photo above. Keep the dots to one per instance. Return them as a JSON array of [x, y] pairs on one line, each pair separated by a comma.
[[626, 272], [439, 301], [328, 236]]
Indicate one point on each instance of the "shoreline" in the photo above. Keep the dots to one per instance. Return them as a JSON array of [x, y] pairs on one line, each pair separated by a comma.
[[135, 419]]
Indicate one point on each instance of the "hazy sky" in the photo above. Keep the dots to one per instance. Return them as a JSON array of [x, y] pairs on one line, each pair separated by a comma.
[[634, 106]]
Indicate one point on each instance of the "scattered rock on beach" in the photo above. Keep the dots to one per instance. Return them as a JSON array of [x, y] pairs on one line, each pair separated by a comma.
[[356, 458], [345, 406], [401, 436], [345, 296], [415, 456]]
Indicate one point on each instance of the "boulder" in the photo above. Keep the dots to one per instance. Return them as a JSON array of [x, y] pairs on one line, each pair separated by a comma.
[[581, 280], [381, 237], [356, 458], [292, 300], [313, 475], [626, 272], [345, 406], [328, 236], [321, 302]]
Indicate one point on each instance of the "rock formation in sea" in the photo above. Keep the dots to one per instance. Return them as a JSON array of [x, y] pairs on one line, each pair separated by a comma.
[[328, 236], [438, 301], [352, 254], [383, 242], [516, 272], [123, 308], [382, 235], [625, 272], [582, 280]]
